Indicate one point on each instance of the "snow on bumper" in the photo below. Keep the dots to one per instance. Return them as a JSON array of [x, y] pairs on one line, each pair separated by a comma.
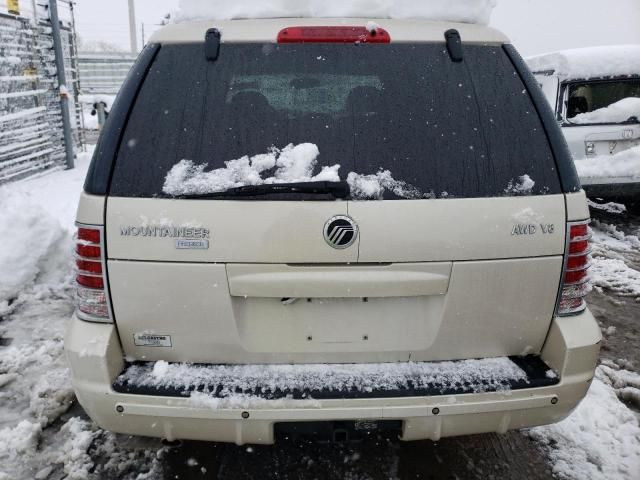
[[96, 360]]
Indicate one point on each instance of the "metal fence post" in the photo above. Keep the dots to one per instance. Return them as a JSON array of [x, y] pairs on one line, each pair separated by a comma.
[[102, 117], [62, 83]]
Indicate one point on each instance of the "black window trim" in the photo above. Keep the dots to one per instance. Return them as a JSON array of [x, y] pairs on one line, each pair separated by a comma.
[[100, 171], [569, 180]]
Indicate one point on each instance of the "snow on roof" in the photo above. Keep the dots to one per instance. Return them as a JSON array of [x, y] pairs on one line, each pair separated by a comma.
[[464, 11], [591, 62]]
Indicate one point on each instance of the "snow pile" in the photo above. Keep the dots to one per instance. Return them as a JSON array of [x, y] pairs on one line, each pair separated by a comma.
[[609, 269], [480, 375], [615, 275], [618, 112], [374, 186], [625, 383], [35, 246], [522, 186], [292, 164], [623, 164], [609, 207], [608, 236], [37, 217], [465, 11], [599, 441], [18, 441], [77, 451], [591, 62], [78, 437]]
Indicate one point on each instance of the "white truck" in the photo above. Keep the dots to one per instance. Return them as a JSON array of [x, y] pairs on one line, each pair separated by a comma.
[[595, 93]]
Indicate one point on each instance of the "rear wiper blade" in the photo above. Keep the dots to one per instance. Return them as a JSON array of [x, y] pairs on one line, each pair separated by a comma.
[[336, 189]]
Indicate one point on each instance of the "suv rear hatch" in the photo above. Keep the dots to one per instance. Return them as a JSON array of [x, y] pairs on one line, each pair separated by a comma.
[[457, 210]]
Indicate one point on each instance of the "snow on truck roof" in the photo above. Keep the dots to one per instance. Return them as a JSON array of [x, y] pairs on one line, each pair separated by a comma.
[[266, 30], [591, 62]]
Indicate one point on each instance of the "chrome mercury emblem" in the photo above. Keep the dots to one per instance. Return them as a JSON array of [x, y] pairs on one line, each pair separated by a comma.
[[340, 232]]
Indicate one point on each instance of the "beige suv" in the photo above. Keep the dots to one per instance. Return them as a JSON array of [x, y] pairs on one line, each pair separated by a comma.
[[334, 227]]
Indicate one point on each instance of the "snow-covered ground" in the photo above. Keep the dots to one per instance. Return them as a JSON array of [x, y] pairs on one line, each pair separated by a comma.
[[38, 438], [41, 438], [616, 258]]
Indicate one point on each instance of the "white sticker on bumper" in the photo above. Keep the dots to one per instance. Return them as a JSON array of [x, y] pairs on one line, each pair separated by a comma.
[[148, 340]]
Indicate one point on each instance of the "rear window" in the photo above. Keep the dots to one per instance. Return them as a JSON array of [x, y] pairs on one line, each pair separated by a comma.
[[404, 115]]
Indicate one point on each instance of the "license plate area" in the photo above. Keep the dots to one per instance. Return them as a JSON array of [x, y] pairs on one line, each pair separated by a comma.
[[337, 431]]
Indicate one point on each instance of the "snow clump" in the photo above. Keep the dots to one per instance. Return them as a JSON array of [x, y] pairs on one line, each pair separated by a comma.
[[522, 186], [465, 11], [291, 164], [374, 186]]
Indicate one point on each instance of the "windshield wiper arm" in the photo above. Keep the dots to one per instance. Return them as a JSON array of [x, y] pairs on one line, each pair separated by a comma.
[[336, 189]]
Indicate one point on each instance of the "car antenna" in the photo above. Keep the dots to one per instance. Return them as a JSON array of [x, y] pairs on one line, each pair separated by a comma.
[[212, 44], [454, 45]]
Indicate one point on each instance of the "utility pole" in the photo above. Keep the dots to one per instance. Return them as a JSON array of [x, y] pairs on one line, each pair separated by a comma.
[[62, 83], [133, 29]]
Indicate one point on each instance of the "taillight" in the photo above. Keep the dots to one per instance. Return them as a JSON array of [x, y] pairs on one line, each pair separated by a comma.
[[341, 34], [575, 276], [91, 295]]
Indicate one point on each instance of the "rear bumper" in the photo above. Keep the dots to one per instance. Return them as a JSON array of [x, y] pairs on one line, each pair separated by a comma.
[[96, 359]]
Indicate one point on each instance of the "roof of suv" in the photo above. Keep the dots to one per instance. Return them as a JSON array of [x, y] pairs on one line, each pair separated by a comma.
[[589, 62], [266, 30]]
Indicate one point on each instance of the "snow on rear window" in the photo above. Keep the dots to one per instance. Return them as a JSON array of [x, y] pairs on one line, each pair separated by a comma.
[[292, 164], [521, 186], [465, 129], [466, 11]]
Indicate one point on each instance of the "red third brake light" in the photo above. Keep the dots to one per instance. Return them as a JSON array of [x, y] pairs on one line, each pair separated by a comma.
[[91, 294], [340, 34], [575, 277]]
